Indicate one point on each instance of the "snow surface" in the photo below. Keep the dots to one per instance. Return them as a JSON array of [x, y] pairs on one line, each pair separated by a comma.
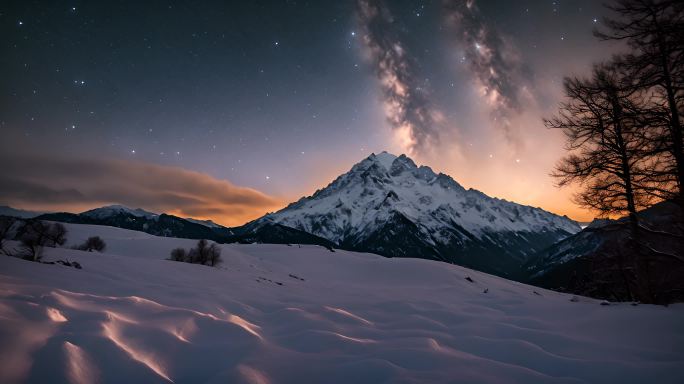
[[285, 314], [359, 201]]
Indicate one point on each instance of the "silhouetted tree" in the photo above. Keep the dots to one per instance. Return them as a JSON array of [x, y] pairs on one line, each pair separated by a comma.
[[55, 234], [599, 120], [213, 255], [199, 254], [36, 235], [654, 30], [6, 224]]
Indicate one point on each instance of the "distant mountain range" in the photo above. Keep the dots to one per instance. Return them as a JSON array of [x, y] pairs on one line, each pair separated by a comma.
[[385, 204], [388, 205], [174, 226]]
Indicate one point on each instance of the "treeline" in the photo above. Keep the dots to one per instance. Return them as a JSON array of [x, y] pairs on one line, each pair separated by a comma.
[[623, 124]]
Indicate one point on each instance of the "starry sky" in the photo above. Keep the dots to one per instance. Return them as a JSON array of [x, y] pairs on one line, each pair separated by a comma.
[[227, 110]]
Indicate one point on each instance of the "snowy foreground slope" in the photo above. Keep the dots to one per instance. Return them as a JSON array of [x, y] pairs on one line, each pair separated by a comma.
[[279, 314]]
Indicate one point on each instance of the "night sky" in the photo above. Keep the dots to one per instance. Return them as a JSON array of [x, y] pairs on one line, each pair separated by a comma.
[[226, 110]]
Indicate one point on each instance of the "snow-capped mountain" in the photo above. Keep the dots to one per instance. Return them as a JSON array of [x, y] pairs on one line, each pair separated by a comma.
[[388, 205], [113, 210]]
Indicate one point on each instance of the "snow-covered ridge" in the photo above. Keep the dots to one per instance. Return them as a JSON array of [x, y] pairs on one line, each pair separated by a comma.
[[384, 184], [116, 209], [206, 223]]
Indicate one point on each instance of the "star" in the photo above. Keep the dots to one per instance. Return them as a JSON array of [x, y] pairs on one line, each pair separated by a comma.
[[353, 33], [21, 22]]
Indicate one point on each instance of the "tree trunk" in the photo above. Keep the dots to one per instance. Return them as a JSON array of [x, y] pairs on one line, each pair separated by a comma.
[[675, 125]]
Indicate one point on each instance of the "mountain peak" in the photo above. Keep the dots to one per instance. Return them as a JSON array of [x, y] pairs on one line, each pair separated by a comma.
[[385, 193], [383, 158]]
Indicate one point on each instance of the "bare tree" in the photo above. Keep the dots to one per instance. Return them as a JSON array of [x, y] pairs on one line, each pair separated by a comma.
[[213, 255], [6, 224], [200, 254], [36, 234], [599, 120], [654, 30], [55, 234]]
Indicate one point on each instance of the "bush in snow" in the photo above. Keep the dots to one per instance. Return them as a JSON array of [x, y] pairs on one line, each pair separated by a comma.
[[94, 243], [204, 253], [178, 254]]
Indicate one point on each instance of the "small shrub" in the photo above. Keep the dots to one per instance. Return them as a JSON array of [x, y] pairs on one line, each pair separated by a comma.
[[93, 243], [178, 254], [204, 253]]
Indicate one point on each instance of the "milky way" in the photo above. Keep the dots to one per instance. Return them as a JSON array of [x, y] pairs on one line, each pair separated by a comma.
[[407, 103], [495, 62]]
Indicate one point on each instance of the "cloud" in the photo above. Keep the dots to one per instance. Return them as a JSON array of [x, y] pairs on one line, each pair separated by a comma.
[[407, 103], [70, 183], [501, 78]]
